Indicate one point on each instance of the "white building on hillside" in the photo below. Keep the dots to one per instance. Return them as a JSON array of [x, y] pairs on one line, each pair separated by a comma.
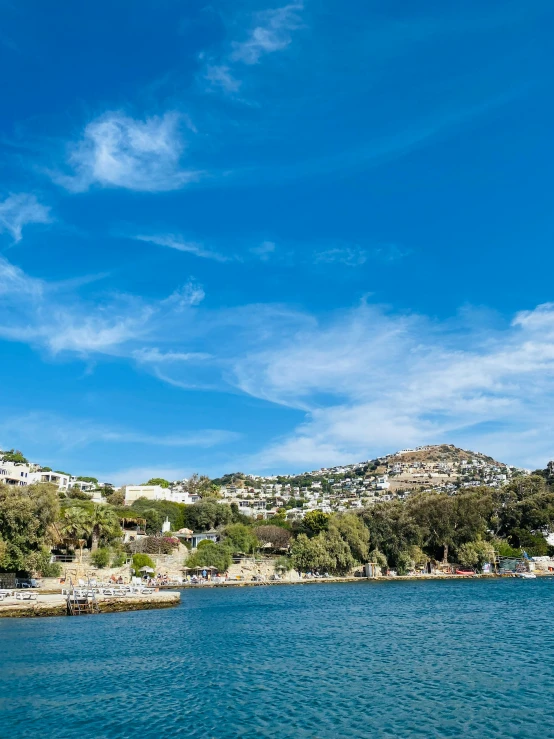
[[13, 473], [156, 492], [383, 483], [58, 478]]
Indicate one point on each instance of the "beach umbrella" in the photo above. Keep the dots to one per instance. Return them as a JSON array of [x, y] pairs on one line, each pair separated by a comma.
[[146, 569]]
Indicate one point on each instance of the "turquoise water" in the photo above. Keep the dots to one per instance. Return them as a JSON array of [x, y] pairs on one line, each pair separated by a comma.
[[422, 659]]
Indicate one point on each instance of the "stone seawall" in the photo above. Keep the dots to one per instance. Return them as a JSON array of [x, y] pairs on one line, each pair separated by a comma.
[[55, 604]]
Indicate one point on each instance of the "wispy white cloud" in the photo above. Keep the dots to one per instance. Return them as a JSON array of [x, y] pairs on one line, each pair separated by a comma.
[[190, 294], [119, 151], [371, 382], [272, 32], [154, 355], [180, 244], [17, 210], [264, 250], [354, 255], [50, 317], [219, 76], [367, 380]]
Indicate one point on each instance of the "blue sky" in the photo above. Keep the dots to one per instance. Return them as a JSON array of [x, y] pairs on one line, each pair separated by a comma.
[[271, 237]]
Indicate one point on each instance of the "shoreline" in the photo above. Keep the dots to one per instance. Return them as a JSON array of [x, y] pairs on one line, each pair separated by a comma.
[[55, 604], [345, 580], [50, 604]]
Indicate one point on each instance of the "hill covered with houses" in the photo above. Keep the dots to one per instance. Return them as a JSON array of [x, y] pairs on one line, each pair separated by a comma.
[[396, 476]]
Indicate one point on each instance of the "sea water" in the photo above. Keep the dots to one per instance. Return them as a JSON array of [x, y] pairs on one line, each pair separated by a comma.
[[394, 659]]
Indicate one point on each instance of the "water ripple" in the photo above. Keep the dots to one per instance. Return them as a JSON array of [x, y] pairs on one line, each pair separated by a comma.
[[427, 660]]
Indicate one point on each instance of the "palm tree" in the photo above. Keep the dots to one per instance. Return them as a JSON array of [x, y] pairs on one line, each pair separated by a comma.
[[103, 522], [76, 524], [76, 527]]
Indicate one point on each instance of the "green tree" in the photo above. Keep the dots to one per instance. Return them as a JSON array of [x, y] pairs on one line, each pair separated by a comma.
[[404, 562], [101, 557], [392, 529], [158, 481], [210, 555], [340, 559], [309, 554], [104, 524], [240, 539], [201, 485], [378, 558], [75, 524], [153, 520], [475, 553], [314, 522], [13, 455], [207, 514], [176, 512], [534, 544], [449, 521], [353, 531], [27, 516], [142, 560], [115, 497], [75, 493]]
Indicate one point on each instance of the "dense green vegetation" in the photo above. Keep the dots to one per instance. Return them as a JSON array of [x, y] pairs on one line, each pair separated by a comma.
[[158, 481], [465, 528], [13, 455], [27, 518]]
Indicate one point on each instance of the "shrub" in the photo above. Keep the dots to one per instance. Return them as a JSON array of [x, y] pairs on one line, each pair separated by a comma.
[[76, 494], [100, 558], [142, 560], [210, 555], [156, 545], [379, 558], [51, 569], [240, 539], [283, 564], [115, 498], [119, 560], [276, 536], [404, 562]]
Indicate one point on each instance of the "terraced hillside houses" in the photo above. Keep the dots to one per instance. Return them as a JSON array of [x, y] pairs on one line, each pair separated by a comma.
[[437, 468]]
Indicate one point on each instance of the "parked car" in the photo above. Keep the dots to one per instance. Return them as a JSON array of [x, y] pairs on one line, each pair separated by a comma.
[[27, 582]]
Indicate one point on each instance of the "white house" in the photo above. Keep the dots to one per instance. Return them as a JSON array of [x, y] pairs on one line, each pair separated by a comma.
[[156, 492], [382, 483], [13, 473], [58, 478]]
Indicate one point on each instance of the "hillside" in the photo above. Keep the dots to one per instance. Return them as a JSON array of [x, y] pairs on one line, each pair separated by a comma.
[[441, 453]]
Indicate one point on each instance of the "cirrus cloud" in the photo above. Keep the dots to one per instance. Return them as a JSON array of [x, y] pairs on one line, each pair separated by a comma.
[[119, 151]]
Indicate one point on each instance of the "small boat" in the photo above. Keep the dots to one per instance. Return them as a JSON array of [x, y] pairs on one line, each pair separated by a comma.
[[526, 575], [467, 573]]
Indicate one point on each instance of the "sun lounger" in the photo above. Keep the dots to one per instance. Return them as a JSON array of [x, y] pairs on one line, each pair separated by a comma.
[[25, 596]]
